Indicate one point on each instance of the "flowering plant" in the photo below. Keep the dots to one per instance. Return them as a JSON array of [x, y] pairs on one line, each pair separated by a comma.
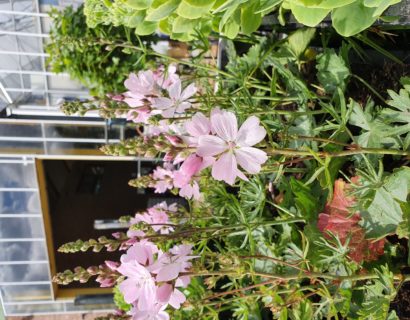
[[297, 194]]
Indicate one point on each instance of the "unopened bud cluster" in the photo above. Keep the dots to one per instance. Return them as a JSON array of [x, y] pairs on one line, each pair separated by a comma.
[[96, 245], [148, 147], [107, 107], [106, 274]]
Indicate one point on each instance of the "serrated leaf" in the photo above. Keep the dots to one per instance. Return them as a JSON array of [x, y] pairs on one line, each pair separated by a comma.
[[332, 71], [305, 201], [298, 41], [383, 215], [375, 132], [182, 25]]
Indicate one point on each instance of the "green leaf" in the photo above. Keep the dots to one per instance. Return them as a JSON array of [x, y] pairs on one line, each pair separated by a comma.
[[139, 4], [323, 4], [146, 28], [188, 11], [298, 41], [250, 21], [306, 203], [183, 25], [231, 27], [199, 3], [310, 17], [136, 19], [403, 229], [332, 71], [375, 133], [353, 18], [383, 215], [161, 9]]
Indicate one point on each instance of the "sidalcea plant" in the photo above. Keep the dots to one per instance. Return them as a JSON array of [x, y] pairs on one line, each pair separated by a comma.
[[290, 212]]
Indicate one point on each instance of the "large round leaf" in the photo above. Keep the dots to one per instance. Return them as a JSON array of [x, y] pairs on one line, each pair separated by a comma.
[[323, 4], [139, 4], [199, 3], [352, 19], [310, 17], [181, 25], [250, 21], [161, 9], [146, 27], [188, 11]]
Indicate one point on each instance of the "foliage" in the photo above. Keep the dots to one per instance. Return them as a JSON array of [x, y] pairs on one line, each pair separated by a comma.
[[297, 193], [80, 51], [184, 19]]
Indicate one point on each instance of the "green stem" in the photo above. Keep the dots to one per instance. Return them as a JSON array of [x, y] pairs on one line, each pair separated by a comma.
[[344, 153], [166, 57]]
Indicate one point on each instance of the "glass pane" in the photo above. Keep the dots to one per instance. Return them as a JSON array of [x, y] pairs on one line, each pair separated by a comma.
[[24, 272], [20, 130], [19, 202], [21, 228], [74, 148], [26, 293], [23, 251], [89, 307], [21, 147], [17, 175], [34, 308], [74, 131]]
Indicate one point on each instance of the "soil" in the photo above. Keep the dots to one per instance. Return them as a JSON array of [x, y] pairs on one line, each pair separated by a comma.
[[402, 302], [380, 77]]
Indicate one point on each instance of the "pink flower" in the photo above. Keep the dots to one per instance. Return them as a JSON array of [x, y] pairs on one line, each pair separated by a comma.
[[139, 287], [191, 166], [163, 179], [191, 191], [170, 264], [233, 146], [139, 115], [177, 101], [167, 294], [143, 84], [153, 311], [141, 252], [166, 79], [199, 125]]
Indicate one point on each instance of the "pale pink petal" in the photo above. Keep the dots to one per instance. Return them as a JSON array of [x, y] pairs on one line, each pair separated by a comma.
[[183, 281], [250, 133], [162, 103], [129, 290], [147, 294], [168, 113], [175, 90], [131, 83], [198, 126], [176, 299], [209, 146], [188, 92], [225, 125], [168, 272], [181, 107], [133, 103], [250, 159], [225, 168], [164, 292]]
